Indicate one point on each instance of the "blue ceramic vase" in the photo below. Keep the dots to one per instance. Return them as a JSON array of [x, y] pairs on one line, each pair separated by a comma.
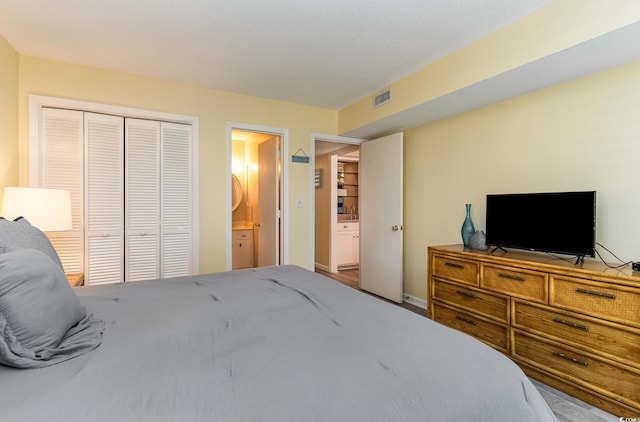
[[467, 227]]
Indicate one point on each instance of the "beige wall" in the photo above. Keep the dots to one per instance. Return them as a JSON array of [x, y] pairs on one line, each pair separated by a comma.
[[323, 212], [214, 109], [579, 135], [582, 134], [8, 116]]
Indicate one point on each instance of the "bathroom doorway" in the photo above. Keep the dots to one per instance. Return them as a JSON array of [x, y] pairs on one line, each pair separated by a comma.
[[256, 180]]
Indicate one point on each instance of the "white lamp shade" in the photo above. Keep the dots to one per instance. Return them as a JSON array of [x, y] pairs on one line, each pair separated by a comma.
[[46, 209]]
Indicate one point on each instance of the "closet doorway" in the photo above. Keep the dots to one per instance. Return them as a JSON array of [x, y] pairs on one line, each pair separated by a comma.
[[133, 179], [257, 221]]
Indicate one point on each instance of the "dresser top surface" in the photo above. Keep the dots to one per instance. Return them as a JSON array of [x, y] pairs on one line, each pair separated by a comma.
[[546, 261]]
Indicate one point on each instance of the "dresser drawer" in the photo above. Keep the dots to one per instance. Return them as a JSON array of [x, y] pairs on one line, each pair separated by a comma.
[[459, 270], [494, 334], [611, 340], [609, 301], [615, 380], [525, 284], [492, 306]]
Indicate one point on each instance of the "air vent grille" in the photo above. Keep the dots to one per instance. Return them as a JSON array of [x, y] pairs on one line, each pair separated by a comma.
[[382, 98]]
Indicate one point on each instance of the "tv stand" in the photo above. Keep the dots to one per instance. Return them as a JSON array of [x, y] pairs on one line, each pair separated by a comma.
[[574, 328], [498, 248], [579, 260]]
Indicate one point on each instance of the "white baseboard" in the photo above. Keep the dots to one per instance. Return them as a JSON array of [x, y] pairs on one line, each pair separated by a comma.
[[416, 301], [322, 267]]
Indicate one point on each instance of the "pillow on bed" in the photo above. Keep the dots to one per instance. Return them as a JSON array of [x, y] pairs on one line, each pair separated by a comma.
[[21, 234], [41, 319]]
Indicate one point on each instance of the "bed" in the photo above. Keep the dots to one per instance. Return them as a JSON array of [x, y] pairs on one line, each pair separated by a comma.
[[267, 344]]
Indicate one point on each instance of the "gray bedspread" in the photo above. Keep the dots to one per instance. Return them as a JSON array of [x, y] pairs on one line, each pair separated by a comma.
[[269, 344]]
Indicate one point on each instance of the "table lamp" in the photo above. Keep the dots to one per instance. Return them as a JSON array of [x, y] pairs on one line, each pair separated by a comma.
[[47, 209]]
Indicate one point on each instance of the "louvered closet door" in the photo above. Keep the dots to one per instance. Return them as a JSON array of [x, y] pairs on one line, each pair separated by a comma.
[[104, 183], [177, 199], [61, 167], [142, 205]]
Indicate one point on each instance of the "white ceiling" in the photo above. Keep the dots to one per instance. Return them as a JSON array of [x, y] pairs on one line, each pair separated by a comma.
[[323, 53]]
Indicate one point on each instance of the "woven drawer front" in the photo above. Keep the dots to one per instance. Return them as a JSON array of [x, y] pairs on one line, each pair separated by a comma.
[[613, 302], [494, 334], [615, 380], [477, 301], [456, 269], [612, 340], [531, 285]]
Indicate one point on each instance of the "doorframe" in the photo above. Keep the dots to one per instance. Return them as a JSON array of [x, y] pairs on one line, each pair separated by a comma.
[[327, 138], [283, 233]]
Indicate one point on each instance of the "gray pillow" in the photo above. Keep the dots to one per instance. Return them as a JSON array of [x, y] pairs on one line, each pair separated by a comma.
[[41, 319], [20, 233]]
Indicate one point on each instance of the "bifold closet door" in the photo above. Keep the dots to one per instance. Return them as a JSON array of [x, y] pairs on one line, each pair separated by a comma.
[[132, 192], [104, 198], [177, 199], [158, 199], [142, 199], [61, 166]]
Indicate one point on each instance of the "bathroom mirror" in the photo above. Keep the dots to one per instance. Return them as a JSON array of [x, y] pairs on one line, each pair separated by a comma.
[[236, 192]]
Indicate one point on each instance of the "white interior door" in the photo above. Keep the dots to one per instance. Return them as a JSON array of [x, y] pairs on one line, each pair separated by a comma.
[[176, 181], [62, 167], [141, 208], [381, 217], [268, 214], [104, 204]]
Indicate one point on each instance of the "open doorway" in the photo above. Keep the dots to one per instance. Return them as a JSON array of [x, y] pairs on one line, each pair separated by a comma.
[[379, 215], [256, 181], [336, 206]]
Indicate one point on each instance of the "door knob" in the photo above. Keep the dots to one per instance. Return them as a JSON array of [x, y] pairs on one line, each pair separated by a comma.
[[258, 225], [394, 228]]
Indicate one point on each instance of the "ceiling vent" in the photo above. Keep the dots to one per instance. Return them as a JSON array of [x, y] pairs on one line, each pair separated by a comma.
[[382, 98]]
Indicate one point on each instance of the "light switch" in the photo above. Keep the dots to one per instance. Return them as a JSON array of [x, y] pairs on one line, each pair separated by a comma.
[[299, 202]]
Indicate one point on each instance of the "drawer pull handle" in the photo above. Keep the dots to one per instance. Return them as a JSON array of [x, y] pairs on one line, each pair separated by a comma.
[[467, 294], [571, 324], [451, 264], [511, 276], [467, 320], [599, 294], [574, 360]]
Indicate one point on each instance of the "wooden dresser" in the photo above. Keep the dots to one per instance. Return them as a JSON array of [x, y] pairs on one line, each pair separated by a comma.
[[576, 328]]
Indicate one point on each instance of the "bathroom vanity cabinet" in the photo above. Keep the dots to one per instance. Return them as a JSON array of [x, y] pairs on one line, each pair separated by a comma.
[[242, 249], [348, 243]]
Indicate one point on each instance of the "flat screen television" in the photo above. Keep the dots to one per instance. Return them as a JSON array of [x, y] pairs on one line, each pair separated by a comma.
[[554, 222]]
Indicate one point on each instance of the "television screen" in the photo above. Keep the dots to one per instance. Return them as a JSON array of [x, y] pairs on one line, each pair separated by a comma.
[[558, 222]]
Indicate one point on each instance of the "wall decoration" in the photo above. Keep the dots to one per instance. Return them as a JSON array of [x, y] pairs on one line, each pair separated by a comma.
[[318, 178]]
